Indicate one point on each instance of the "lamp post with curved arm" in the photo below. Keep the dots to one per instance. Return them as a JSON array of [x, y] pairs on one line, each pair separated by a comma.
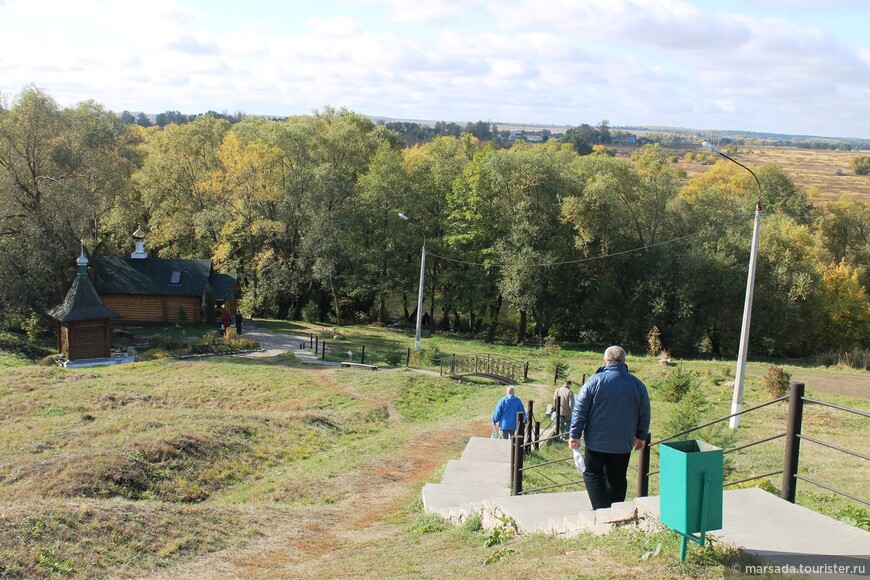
[[740, 374], [420, 292]]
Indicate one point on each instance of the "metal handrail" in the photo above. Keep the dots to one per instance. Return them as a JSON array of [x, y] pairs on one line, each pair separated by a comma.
[[529, 467], [741, 412], [826, 404], [550, 438], [793, 437], [835, 447], [529, 491], [752, 478], [834, 489], [765, 440]]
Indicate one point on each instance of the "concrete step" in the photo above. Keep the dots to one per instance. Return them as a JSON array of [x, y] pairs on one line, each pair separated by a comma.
[[545, 512], [753, 520], [485, 472], [456, 502], [487, 450]]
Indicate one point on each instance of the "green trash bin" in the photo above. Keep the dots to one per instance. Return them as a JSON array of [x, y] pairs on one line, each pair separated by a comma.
[[690, 500]]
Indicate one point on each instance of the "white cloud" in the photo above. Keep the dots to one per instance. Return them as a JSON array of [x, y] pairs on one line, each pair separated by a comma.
[[630, 61]]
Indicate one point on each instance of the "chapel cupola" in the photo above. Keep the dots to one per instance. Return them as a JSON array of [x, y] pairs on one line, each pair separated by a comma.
[[139, 239]]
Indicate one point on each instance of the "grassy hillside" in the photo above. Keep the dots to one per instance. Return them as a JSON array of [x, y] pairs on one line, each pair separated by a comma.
[[231, 466]]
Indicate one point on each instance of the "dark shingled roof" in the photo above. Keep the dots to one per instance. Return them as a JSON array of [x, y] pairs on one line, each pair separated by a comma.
[[223, 285], [154, 277], [82, 303]]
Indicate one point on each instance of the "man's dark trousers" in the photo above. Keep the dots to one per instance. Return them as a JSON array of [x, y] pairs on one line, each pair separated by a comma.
[[605, 477]]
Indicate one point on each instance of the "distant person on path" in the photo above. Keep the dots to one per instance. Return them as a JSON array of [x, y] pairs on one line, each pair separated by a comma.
[[563, 399], [612, 414], [225, 323], [505, 414], [238, 323]]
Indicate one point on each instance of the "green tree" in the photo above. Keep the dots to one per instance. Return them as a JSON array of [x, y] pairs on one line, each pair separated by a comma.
[[860, 165], [382, 195], [844, 230], [175, 200], [60, 170]]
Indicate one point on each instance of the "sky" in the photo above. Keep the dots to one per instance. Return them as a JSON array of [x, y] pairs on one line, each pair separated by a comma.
[[799, 67]]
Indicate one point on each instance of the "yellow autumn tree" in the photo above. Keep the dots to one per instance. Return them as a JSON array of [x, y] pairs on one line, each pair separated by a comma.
[[846, 308]]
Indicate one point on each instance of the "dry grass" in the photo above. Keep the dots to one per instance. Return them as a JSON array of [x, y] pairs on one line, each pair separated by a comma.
[[230, 467], [824, 175]]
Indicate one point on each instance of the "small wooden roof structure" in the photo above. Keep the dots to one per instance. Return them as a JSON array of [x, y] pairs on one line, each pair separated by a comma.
[[82, 318]]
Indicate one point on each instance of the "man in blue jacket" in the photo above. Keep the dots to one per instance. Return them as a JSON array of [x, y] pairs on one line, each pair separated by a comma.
[[612, 414], [505, 414]]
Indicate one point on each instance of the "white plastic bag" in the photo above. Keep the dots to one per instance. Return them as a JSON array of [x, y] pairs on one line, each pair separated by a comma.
[[579, 463]]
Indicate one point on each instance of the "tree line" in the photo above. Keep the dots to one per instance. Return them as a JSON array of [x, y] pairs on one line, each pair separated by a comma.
[[530, 243]]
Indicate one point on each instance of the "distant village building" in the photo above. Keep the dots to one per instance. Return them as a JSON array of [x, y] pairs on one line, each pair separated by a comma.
[[83, 320], [143, 289]]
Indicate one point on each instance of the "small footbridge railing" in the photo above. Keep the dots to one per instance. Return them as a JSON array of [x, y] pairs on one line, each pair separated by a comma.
[[504, 370]]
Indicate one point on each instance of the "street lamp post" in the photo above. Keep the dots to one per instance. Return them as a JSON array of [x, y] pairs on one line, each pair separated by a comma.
[[420, 292], [740, 373]]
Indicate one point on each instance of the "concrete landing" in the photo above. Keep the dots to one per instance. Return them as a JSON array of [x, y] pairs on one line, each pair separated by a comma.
[[754, 520], [769, 526]]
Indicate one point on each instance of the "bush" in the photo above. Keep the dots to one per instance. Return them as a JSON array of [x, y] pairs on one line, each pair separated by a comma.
[[676, 385], [776, 382], [394, 357], [33, 326], [688, 412], [432, 355], [861, 165]]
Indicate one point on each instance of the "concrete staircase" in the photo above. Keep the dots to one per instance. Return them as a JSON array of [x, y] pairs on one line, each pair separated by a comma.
[[760, 523]]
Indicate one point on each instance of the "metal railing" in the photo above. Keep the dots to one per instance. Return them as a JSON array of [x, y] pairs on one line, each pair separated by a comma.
[[792, 435], [341, 350]]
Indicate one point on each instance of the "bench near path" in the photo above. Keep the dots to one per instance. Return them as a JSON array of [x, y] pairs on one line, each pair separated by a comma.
[[756, 521]]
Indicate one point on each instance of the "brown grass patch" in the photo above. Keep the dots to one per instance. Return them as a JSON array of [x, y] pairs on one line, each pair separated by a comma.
[[824, 175]]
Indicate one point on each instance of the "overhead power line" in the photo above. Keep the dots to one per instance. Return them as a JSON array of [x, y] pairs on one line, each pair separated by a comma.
[[590, 258]]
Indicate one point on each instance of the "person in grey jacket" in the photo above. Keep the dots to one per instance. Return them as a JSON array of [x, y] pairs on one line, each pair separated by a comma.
[[611, 414]]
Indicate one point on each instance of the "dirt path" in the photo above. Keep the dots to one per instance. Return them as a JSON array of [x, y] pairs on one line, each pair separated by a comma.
[[305, 538], [849, 385]]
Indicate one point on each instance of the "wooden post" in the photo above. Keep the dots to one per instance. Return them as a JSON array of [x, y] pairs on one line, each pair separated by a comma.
[[529, 422], [517, 478], [793, 441], [316, 344], [537, 435], [526, 371], [408, 359], [513, 441], [521, 427], [643, 469], [362, 359], [323, 350]]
